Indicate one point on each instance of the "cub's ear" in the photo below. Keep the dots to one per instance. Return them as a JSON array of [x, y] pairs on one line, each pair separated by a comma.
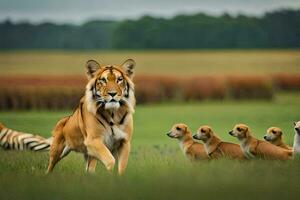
[[186, 129], [128, 67], [294, 123], [91, 67]]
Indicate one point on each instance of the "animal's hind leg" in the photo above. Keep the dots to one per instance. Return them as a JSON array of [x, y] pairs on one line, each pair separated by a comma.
[[91, 163], [58, 145], [56, 151]]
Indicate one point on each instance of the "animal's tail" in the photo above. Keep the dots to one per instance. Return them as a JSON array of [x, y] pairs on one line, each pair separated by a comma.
[[15, 140], [290, 152]]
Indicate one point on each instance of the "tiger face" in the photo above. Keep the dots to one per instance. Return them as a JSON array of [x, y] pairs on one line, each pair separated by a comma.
[[110, 86]]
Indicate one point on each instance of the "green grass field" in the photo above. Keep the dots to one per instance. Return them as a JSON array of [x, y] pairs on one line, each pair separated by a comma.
[[208, 62], [157, 168]]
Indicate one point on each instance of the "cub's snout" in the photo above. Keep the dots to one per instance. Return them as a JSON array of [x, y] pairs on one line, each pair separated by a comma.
[[266, 138]]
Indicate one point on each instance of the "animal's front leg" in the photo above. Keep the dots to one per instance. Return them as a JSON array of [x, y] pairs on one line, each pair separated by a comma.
[[96, 148], [123, 155]]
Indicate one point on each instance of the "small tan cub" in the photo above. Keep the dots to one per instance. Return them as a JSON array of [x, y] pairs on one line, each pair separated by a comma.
[[254, 148], [275, 136], [190, 148], [215, 147]]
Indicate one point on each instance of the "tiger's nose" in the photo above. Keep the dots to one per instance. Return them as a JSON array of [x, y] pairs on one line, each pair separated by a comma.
[[112, 93]]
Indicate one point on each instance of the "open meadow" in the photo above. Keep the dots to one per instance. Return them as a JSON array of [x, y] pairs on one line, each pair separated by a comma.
[[188, 62], [157, 169]]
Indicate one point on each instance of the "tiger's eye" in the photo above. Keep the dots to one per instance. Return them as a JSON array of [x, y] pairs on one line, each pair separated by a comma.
[[178, 129], [120, 79], [103, 80], [239, 129], [273, 131]]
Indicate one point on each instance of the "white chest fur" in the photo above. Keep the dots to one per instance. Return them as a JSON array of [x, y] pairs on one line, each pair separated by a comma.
[[114, 136], [246, 150], [181, 145], [296, 145], [183, 148], [248, 153]]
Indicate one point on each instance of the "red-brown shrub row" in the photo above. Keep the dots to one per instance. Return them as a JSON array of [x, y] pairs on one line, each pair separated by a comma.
[[286, 81], [162, 88], [203, 87], [249, 87], [39, 97], [155, 88], [54, 92]]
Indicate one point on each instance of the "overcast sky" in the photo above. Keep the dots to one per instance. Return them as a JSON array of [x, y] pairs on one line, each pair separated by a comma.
[[78, 11]]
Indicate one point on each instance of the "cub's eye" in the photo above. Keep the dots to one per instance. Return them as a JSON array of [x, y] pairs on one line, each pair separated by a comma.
[[239, 129], [120, 79], [202, 130], [178, 129], [273, 131]]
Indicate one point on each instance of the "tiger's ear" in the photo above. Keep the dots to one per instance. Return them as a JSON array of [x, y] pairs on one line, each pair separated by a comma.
[[91, 67], [128, 67], [1, 126]]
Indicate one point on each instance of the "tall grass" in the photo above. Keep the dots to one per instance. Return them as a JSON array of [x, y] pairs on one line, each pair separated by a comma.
[[150, 175], [157, 169]]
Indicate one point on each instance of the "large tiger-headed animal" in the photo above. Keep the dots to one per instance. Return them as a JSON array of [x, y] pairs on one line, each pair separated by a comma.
[[101, 126], [16, 140]]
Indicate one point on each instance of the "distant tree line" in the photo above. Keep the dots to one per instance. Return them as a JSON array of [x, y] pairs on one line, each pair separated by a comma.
[[278, 29]]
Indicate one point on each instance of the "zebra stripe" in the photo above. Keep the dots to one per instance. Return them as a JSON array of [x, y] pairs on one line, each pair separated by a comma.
[[4, 139], [10, 139], [15, 143], [40, 147], [3, 133], [21, 138]]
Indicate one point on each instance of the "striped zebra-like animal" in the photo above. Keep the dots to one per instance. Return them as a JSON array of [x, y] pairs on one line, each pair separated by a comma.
[[15, 140]]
